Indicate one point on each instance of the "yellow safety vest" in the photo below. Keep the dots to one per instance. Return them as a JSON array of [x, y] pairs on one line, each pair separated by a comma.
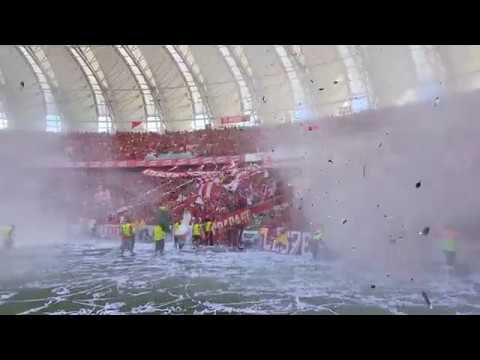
[[208, 226], [450, 244], [196, 230], [6, 232], [283, 238], [177, 227], [158, 233], [127, 230]]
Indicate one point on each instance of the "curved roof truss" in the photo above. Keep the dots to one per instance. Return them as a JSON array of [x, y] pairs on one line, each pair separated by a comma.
[[98, 84], [426, 60], [295, 83], [358, 83], [143, 76], [3, 112], [245, 95], [190, 71], [46, 80]]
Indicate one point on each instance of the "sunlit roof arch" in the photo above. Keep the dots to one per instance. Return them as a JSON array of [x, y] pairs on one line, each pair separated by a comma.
[[90, 67], [3, 112], [241, 82], [298, 91], [299, 63], [238, 52], [43, 72], [428, 63], [190, 71], [140, 70], [361, 96]]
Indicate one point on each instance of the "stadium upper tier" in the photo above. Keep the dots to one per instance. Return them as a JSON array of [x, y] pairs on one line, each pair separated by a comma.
[[103, 88], [132, 145]]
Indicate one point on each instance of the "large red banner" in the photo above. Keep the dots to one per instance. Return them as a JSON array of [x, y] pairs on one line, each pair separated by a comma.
[[225, 120], [244, 216]]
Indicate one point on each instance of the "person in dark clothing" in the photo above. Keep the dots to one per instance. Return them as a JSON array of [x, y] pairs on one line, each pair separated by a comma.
[[240, 234]]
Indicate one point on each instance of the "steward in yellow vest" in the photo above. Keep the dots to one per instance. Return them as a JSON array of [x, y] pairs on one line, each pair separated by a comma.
[[281, 239], [6, 232], [177, 241], [196, 232], [209, 232], [128, 237], [449, 246], [317, 242], [159, 239]]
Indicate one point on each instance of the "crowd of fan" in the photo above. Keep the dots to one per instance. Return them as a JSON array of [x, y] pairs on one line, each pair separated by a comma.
[[109, 194], [89, 146], [137, 145], [138, 197]]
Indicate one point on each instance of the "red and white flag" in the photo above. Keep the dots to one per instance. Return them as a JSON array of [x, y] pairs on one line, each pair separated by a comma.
[[210, 190], [135, 124]]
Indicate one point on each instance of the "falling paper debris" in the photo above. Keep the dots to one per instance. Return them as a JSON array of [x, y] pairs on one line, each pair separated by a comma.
[[311, 81], [418, 184], [425, 231], [330, 161], [344, 221], [22, 84], [321, 89], [263, 99], [436, 101], [335, 82], [380, 145], [427, 300], [372, 286]]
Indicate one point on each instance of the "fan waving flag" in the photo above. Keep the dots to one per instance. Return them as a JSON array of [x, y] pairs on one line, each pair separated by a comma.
[[136, 124]]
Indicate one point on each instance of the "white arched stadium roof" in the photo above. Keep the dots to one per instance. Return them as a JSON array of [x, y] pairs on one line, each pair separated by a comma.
[[184, 87]]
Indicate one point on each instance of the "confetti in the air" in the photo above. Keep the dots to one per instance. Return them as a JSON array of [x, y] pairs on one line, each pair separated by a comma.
[[425, 231], [427, 300]]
